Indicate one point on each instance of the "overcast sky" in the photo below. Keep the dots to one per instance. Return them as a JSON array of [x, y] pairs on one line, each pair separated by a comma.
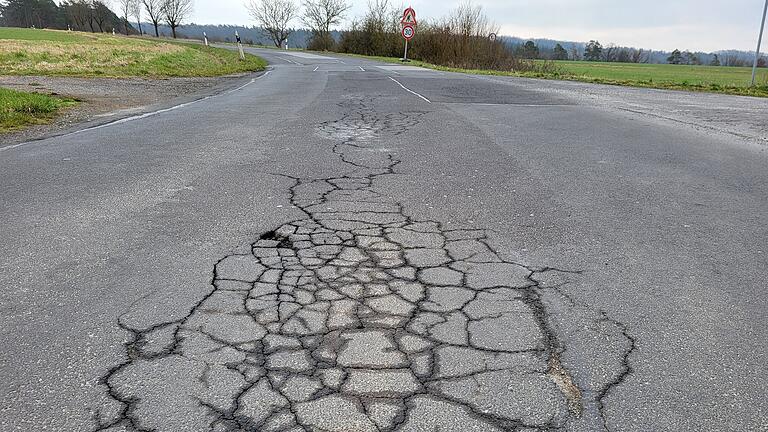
[[696, 25]]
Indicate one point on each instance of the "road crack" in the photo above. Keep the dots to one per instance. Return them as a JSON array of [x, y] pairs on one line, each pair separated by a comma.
[[354, 317]]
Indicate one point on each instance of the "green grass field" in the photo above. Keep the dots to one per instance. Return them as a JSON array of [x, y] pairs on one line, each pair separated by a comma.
[[63, 53], [19, 109], [716, 79], [710, 78]]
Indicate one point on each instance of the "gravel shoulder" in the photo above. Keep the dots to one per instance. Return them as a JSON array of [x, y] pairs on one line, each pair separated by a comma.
[[108, 99]]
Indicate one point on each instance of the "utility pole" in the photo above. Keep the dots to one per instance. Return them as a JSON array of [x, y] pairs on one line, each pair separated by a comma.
[[759, 40]]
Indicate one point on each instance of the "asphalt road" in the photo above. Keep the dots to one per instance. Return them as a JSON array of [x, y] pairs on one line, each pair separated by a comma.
[[342, 245]]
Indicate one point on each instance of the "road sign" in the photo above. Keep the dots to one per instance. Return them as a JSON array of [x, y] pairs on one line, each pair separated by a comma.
[[492, 37], [408, 22], [409, 17], [408, 32]]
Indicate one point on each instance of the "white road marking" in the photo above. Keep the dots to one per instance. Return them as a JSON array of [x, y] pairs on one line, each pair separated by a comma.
[[512, 105], [340, 61], [361, 68], [307, 55], [290, 61], [316, 68], [393, 68], [409, 90], [145, 115]]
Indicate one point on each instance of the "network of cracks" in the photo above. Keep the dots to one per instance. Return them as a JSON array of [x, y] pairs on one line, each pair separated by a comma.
[[357, 318]]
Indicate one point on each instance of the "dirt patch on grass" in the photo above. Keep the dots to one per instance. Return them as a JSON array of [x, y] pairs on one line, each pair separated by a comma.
[[106, 98]]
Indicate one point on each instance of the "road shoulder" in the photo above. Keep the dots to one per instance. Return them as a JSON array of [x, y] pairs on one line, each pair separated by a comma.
[[104, 100]]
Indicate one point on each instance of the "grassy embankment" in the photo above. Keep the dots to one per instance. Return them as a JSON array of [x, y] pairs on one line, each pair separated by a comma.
[[77, 54], [716, 79], [62, 53]]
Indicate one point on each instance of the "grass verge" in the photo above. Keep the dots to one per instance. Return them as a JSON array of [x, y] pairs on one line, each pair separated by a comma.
[[20, 109], [63, 53], [713, 79]]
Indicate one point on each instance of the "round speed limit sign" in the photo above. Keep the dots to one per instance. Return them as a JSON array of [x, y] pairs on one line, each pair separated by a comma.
[[408, 32]]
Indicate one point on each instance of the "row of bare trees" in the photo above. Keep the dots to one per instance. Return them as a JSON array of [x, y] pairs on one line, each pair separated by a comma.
[[87, 15], [377, 33], [613, 53], [170, 12], [458, 40], [461, 39], [275, 16], [93, 15]]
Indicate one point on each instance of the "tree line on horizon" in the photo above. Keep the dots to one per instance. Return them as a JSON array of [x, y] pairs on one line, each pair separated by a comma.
[[94, 15], [91, 15], [461, 37], [377, 33]]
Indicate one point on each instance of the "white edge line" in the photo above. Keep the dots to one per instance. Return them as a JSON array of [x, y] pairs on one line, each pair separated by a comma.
[[340, 61], [409, 90], [142, 116]]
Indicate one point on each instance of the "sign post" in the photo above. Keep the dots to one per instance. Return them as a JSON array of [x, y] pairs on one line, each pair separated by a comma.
[[408, 33], [759, 40], [409, 28]]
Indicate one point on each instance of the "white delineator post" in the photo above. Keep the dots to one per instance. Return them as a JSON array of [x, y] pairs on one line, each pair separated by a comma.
[[239, 46], [205, 38], [759, 40]]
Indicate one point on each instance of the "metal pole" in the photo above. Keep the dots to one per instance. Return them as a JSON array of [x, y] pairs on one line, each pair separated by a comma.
[[759, 40], [405, 55]]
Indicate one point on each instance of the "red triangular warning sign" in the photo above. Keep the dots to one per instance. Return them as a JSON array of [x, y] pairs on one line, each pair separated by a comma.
[[409, 17]]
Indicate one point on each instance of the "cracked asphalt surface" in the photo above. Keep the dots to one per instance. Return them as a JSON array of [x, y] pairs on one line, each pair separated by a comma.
[[342, 245]]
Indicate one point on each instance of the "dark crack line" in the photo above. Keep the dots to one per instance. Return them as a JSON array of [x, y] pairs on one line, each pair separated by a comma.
[[347, 264]]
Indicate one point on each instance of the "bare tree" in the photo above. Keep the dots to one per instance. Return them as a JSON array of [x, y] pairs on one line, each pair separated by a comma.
[[79, 13], [732, 59], [101, 13], [575, 53], [136, 13], [468, 20], [90, 15], [154, 9], [319, 16], [610, 53], [640, 56], [380, 27], [126, 8], [176, 11], [273, 17]]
